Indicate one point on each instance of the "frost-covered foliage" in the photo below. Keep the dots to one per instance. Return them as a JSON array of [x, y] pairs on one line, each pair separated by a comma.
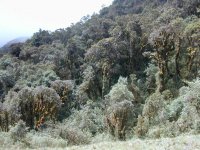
[[43, 140], [37, 75], [64, 88], [151, 80], [19, 131], [190, 114], [84, 91], [67, 85], [69, 132], [120, 92], [80, 127], [32, 105], [88, 119], [31, 140], [73, 135], [174, 116], [7, 81], [120, 118], [152, 114], [121, 113]]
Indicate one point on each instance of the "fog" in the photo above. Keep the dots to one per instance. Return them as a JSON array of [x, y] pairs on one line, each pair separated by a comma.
[[19, 18]]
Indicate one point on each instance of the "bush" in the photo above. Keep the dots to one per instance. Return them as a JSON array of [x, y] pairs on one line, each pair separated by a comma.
[[142, 126], [167, 117], [80, 126], [19, 131], [121, 113], [34, 106], [86, 90], [119, 92], [40, 38], [121, 118], [90, 119], [44, 140], [74, 136], [36, 75], [150, 79], [64, 89], [71, 133], [7, 81]]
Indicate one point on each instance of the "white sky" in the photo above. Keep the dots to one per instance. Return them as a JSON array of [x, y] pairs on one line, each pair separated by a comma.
[[24, 17]]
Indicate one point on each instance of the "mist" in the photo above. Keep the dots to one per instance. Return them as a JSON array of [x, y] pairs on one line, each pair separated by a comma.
[[22, 18]]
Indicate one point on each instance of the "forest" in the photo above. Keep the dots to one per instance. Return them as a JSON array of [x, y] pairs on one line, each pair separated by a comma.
[[130, 71]]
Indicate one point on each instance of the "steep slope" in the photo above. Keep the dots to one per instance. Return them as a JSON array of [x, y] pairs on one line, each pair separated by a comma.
[[130, 71]]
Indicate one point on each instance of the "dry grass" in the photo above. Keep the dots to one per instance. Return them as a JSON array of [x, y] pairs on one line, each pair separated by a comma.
[[180, 143], [186, 142]]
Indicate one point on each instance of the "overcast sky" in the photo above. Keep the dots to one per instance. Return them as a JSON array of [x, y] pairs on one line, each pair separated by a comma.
[[20, 18]]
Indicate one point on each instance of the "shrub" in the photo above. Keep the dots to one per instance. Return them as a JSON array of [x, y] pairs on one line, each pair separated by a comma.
[[80, 126], [11, 108], [120, 92], [46, 104], [34, 106], [74, 136], [120, 118], [4, 118], [153, 113], [142, 126], [90, 119], [174, 109], [86, 90], [149, 86], [36, 75], [41, 37], [121, 113], [44, 140], [15, 49], [19, 131], [7, 81], [172, 117], [64, 89], [153, 107], [71, 133]]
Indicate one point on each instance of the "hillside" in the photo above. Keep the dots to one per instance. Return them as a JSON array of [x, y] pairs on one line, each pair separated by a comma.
[[6, 47], [130, 71]]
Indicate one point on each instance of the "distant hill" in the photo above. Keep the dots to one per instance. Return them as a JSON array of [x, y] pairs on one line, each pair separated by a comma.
[[5, 47]]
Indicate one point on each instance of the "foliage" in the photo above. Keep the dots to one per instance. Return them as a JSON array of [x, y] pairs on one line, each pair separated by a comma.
[[85, 90], [33, 106], [130, 71], [120, 92], [19, 131], [41, 37], [121, 113], [7, 81], [64, 88]]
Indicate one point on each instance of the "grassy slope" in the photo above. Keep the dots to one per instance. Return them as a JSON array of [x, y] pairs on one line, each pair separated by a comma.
[[191, 142], [186, 142]]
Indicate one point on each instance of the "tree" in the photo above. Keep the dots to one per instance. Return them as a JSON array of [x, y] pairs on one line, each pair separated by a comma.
[[121, 111], [108, 57], [41, 37]]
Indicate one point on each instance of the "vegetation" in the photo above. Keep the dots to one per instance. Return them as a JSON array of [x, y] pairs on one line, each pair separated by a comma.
[[131, 71]]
